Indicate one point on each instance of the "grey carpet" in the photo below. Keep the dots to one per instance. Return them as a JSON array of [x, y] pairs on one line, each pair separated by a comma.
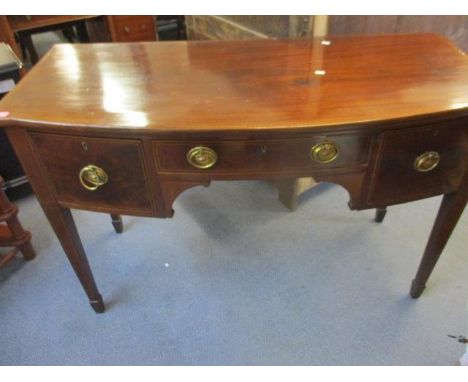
[[236, 279]]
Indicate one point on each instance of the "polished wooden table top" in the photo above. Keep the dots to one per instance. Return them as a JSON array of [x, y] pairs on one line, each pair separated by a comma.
[[238, 85]]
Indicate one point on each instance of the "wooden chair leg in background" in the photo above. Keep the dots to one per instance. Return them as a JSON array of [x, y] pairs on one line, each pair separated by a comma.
[[82, 31], [12, 233], [69, 34], [22, 238], [25, 39], [380, 214], [117, 223]]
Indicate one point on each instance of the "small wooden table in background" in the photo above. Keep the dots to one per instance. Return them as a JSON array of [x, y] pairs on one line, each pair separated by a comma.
[[96, 28]]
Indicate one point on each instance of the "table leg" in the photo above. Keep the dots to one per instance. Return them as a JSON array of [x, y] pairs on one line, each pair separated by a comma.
[[82, 31], [59, 218], [380, 214], [117, 223], [64, 226], [69, 34], [26, 39], [450, 211]]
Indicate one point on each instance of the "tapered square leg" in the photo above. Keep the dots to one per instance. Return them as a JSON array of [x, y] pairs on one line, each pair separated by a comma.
[[380, 214], [64, 226], [117, 223], [450, 210], [98, 305], [416, 289], [60, 218]]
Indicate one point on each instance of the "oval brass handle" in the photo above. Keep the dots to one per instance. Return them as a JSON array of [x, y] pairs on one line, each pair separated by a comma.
[[427, 161], [325, 152], [92, 177], [127, 30], [202, 157]]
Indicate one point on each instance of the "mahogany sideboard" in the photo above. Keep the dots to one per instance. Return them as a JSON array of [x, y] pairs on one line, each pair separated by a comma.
[[125, 128]]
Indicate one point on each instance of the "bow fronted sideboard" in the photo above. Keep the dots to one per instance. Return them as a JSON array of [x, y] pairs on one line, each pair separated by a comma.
[[125, 128]]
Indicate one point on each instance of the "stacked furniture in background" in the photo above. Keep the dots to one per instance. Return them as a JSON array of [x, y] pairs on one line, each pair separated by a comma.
[[18, 30], [12, 233], [16, 182]]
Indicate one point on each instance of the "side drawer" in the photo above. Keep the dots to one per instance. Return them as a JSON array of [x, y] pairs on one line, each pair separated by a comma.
[[266, 156], [65, 157], [418, 163]]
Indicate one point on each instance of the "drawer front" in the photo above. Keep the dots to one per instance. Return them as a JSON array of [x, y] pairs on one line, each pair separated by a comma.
[[64, 158], [134, 28], [267, 156], [404, 170]]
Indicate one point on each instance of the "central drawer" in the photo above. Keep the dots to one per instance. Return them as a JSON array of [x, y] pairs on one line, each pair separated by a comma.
[[267, 156]]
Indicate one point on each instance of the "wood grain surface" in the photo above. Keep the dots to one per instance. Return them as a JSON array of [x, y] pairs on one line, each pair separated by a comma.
[[240, 85]]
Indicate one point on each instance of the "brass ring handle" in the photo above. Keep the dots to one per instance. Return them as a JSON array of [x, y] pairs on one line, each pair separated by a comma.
[[92, 177], [427, 161], [202, 157], [325, 152]]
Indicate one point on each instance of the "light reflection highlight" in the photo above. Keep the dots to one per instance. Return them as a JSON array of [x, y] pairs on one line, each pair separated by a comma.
[[70, 62], [116, 100]]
